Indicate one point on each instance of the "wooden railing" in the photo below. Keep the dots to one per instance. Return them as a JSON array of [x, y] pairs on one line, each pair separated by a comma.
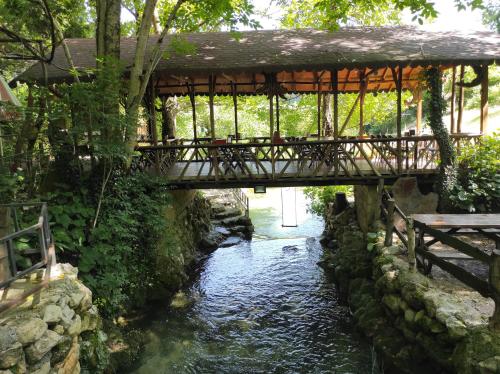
[[38, 236], [257, 161]]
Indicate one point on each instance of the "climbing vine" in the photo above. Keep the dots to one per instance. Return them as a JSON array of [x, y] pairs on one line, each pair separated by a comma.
[[436, 107]]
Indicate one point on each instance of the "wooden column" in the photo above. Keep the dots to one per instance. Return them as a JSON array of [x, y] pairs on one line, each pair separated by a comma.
[[419, 113], [335, 88], [277, 113], [362, 91], [193, 111], [452, 100], [484, 101], [460, 100], [494, 282], [319, 111], [271, 116], [211, 91], [271, 128], [398, 77], [235, 105]]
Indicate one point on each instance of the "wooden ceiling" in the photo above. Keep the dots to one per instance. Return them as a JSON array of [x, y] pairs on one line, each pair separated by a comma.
[[302, 82]]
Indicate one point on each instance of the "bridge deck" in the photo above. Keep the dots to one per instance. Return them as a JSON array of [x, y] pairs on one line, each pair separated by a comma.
[[353, 161]]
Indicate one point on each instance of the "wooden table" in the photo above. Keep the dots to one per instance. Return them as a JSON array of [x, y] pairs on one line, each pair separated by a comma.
[[463, 221]]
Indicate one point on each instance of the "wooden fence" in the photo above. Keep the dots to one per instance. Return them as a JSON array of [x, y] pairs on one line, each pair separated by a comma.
[[36, 239]]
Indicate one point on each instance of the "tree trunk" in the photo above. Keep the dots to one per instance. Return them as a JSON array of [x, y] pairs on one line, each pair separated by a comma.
[[326, 114], [169, 110], [108, 64], [447, 168]]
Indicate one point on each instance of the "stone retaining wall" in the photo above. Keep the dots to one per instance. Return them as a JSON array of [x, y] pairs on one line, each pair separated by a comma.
[[416, 324], [44, 333]]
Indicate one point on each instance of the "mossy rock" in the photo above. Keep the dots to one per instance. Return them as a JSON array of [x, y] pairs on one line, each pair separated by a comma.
[[479, 352]]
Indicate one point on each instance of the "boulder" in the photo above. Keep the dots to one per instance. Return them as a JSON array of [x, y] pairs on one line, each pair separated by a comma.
[[408, 197], [11, 355], [8, 337], [41, 347], [229, 242], [52, 313], [42, 366], [90, 319], [28, 331], [75, 327]]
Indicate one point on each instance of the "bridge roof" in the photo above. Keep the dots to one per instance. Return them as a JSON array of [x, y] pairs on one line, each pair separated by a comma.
[[299, 57]]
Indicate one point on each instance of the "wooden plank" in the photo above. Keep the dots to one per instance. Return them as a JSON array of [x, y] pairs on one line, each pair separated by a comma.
[[474, 221], [351, 112], [462, 275]]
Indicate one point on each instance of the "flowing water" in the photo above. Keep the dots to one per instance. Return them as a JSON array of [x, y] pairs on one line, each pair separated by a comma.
[[259, 307]]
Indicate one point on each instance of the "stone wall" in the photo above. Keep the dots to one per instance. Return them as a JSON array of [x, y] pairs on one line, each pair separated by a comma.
[[416, 324], [188, 221], [44, 333]]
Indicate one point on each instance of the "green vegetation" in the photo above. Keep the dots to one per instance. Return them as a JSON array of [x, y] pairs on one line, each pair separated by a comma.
[[320, 197], [478, 183]]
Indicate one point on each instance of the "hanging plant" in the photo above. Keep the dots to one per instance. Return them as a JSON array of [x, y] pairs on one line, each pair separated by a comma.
[[436, 107]]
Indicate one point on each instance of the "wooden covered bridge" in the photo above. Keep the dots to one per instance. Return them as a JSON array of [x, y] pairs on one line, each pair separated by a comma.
[[276, 63]]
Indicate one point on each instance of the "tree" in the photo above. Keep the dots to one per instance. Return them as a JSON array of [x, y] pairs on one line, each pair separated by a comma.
[[491, 15]]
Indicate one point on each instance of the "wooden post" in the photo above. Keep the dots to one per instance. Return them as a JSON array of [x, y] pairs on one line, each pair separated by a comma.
[[335, 88], [399, 87], [211, 89], [271, 127], [419, 113], [235, 105], [484, 101], [193, 111], [380, 192], [362, 91], [460, 100], [410, 231], [452, 100], [494, 281], [319, 111], [389, 225], [277, 113]]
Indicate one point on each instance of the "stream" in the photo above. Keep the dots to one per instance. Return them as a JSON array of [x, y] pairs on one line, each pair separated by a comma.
[[259, 307]]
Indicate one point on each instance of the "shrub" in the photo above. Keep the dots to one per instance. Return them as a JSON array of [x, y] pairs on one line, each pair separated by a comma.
[[321, 196], [478, 183], [116, 257]]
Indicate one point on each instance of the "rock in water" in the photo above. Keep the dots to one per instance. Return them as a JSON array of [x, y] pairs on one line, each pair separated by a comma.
[[229, 242]]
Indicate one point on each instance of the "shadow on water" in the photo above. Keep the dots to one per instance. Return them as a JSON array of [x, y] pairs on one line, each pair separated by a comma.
[[259, 307]]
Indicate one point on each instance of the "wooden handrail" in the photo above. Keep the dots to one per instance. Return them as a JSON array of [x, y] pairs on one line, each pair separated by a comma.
[[42, 227]]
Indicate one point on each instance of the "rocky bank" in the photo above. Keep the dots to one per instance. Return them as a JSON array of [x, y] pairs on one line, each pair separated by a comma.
[[416, 325], [55, 330]]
